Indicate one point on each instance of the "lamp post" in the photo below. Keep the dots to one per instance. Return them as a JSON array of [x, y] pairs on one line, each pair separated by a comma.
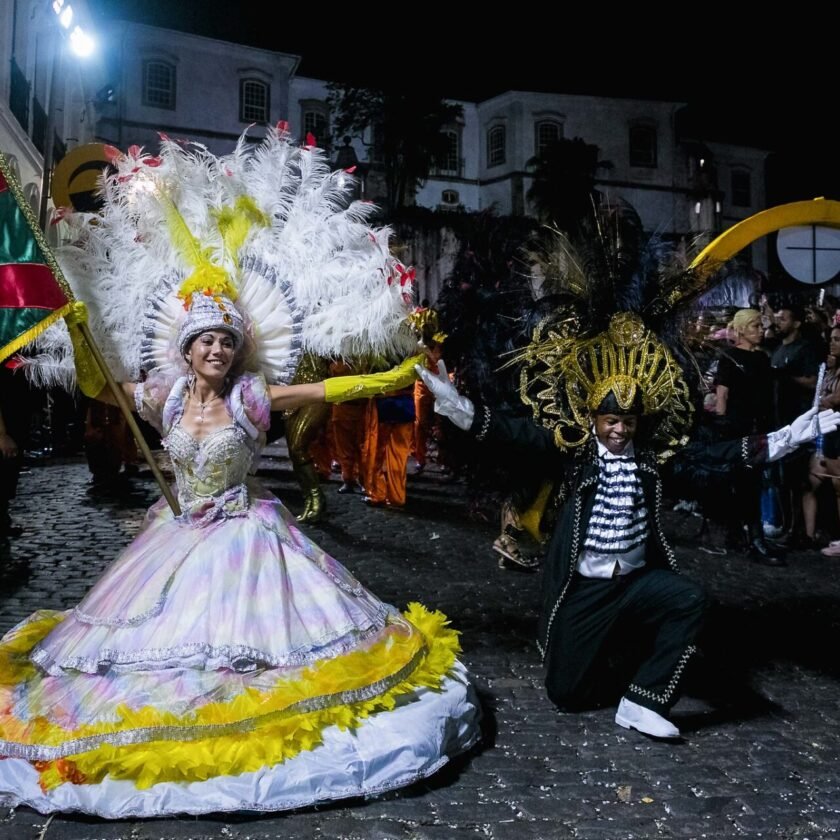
[[81, 44]]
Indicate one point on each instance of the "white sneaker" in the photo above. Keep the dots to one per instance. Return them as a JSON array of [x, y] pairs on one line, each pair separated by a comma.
[[631, 715]]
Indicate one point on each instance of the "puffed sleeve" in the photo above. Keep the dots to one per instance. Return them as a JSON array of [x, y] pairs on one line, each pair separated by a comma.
[[251, 404], [150, 397]]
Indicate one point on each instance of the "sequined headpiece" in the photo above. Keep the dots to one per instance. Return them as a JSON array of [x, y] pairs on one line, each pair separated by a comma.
[[564, 380], [210, 312]]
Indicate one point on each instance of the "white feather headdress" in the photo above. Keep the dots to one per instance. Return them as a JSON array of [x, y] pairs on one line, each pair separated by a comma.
[[272, 224]]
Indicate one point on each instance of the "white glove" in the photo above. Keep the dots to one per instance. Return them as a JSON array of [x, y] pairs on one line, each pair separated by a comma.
[[804, 429], [448, 402]]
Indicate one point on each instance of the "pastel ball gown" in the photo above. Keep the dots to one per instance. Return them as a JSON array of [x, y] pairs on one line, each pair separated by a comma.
[[224, 661]]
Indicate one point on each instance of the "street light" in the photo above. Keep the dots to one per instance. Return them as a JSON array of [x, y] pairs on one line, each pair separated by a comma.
[[82, 45]]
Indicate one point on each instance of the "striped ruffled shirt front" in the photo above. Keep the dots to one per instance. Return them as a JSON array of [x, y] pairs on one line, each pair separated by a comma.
[[618, 527]]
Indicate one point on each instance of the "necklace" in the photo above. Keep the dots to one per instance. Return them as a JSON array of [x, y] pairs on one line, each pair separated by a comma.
[[203, 405]]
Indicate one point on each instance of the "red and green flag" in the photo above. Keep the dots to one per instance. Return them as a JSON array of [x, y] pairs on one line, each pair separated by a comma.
[[33, 291]]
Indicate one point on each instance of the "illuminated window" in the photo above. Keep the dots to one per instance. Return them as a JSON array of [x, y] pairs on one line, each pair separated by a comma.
[[159, 84], [254, 101]]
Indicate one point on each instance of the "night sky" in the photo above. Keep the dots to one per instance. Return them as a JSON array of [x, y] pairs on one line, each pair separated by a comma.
[[767, 84]]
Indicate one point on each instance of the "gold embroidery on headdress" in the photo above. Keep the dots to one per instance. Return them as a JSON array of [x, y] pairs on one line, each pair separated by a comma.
[[564, 379]]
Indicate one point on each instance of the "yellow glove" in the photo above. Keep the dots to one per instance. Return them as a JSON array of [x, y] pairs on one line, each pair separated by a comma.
[[90, 378], [343, 388]]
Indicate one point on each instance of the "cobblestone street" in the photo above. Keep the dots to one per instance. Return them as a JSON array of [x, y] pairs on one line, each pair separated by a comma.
[[761, 714]]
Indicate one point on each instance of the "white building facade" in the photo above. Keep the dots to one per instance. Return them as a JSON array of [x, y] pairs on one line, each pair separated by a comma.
[[190, 87], [44, 89], [211, 91]]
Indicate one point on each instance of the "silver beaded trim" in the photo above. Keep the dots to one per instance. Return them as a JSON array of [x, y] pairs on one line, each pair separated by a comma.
[[221, 656], [34, 752], [745, 449], [485, 424], [154, 610], [543, 648], [657, 517], [282, 371], [672, 683]]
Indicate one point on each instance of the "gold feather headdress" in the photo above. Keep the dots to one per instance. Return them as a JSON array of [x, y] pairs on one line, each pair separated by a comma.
[[614, 331]]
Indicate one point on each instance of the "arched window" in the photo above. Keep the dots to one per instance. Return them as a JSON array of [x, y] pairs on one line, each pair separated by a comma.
[[159, 84], [546, 132], [496, 142], [315, 123], [315, 120], [254, 101], [450, 162]]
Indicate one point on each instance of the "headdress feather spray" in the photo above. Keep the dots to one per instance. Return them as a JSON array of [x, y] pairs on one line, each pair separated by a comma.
[[271, 228], [615, 329]]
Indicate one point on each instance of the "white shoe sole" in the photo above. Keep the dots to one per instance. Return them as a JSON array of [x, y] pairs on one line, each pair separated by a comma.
[[628, 724]]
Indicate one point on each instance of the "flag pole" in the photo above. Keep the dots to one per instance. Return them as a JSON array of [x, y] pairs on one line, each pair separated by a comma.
[[122, 402], [64, 307]]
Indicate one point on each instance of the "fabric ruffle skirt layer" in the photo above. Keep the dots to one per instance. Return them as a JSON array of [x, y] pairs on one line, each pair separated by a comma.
[[231, 665]]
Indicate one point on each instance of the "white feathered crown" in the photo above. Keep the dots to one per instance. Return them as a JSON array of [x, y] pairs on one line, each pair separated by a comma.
[[270, 227]]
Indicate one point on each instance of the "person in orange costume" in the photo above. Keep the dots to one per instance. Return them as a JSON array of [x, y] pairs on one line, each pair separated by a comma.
[[390, 423], [389, 434], [348, 424]]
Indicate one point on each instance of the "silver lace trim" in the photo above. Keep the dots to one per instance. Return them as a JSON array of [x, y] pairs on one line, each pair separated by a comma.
[[154, 610], [223, 656]]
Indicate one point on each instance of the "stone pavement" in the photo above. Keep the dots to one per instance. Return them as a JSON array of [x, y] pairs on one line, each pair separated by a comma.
[[761, 716]]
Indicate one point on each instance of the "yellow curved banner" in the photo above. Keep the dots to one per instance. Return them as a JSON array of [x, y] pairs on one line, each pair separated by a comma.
[[76, 177], [818, 211]]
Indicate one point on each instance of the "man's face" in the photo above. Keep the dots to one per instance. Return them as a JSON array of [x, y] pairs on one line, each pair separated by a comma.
[[785, 322], [615, 431]]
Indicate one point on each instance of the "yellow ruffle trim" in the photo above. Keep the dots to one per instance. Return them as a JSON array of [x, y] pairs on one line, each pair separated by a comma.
[[268, 736]]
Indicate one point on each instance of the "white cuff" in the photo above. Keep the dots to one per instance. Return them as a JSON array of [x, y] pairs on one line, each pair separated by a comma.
[[779, 444], [460, 411]]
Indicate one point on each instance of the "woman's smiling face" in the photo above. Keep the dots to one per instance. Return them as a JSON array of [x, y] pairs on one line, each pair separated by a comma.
[[211, 353]]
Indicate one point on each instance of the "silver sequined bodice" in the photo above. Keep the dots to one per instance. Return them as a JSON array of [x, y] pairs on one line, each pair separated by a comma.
[[211, 466]]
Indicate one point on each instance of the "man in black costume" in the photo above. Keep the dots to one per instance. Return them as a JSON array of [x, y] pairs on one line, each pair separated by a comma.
[[610, 574]]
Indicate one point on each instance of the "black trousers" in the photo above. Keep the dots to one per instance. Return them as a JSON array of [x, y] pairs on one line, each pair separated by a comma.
[[639, 627]]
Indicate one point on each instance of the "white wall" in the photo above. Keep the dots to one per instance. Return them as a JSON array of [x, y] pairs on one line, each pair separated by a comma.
[[208, 75]]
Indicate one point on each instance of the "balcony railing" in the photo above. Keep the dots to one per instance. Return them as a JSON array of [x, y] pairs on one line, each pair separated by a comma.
[[449, 169], [19, 96], [39, 126]]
